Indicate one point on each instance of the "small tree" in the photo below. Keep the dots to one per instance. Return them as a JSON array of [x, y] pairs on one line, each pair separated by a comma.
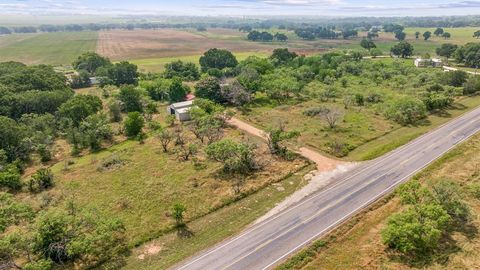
[[178, 211], [165, 137], [402, 49], [417, 35], [275, 138], [427, 35], [367, 44], [43, 179], [332, 116], [133, 124], [446, 35], [438, 32], [187, 151]]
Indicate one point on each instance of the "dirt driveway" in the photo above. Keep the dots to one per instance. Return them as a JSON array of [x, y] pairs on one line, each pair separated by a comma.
[[324, 164]]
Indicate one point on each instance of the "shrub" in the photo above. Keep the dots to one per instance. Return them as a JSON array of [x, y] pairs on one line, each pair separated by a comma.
[[10, 177], [43, 179], [406, 110], [133, 124]]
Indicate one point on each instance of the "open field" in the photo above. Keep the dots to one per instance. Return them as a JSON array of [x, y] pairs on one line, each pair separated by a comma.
[[370, 134], [143, 44], [214, 227], [152, 48], [141, 191], [358, 244], [46, 48]]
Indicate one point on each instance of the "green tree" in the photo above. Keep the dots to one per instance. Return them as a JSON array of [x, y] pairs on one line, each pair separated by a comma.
[[455, 78], [90, 62], [469, 54], [13, 212], [119, 74], [95, 129], [471, 86], [446, 35], [217, 58], [416, 231], [427, 35], [406, 110], [446, 50], [367, 44], [131, 98], [133, 124], [282, 56], [400, 35], [42, 179], [476, 34], [178, 211], [438, 32], [209, 88], [237, 158], [10, 178], [280, 84], [177, 91], [88, 239], [402, 49], [81, 80], [13, 140], [275, 139], [80, 107], [417, 35], [185, 71]]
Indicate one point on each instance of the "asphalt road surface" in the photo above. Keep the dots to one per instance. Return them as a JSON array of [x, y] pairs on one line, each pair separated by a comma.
[[268, 243]]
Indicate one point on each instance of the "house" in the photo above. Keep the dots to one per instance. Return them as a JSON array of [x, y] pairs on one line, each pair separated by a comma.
[[181, 110], [434, 62], [94, 80]]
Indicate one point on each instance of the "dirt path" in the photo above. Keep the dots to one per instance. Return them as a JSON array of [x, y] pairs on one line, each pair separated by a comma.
[[324, 164]]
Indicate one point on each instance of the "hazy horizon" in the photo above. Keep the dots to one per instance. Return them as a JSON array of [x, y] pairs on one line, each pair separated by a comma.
[[343, 8]]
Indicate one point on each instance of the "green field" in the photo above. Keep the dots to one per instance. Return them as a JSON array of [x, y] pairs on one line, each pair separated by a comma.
[[46, 48], [158, 64]]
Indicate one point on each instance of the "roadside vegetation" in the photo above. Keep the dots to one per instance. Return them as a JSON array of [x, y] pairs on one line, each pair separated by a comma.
[[431, 222]]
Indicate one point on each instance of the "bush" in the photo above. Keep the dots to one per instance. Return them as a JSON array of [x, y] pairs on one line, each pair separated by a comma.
[[237, 158], [471, 86], [43, 179], [406, 110], [133, 124], [315, 111], [10, 177]]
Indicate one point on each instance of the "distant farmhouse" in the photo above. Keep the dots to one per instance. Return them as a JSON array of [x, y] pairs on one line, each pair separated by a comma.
[[181, 110], [434, 62]]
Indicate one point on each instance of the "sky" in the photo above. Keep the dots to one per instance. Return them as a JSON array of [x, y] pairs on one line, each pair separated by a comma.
[[352, 8]]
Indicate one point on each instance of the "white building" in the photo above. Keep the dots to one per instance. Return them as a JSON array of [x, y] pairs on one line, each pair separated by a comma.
[[181, 110], [434, 62]]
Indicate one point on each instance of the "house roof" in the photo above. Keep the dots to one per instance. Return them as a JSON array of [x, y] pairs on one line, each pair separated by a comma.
[[182, 104]]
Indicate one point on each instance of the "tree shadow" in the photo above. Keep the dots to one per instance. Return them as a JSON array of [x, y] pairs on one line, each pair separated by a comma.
[[184, 232]]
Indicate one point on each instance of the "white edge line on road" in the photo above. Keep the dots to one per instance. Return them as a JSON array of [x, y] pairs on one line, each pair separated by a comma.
[[368, 202], [375, 161]]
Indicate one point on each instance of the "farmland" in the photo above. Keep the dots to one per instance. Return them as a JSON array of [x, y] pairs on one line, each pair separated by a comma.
[[46, 48], [151, 49]]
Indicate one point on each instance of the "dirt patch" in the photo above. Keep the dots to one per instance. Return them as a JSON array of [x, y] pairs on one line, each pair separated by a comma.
[[143, 44], [149, 250]]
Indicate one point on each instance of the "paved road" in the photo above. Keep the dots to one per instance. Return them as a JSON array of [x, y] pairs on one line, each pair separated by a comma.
[[268, 243]]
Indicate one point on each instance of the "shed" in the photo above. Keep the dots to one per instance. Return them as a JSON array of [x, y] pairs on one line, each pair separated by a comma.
[[180, 110]]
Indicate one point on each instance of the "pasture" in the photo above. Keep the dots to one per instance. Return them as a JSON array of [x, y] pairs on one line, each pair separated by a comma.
[[46, 48]]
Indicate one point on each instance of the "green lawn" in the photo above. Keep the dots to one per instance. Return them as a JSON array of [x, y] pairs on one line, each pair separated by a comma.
[[46, 48]]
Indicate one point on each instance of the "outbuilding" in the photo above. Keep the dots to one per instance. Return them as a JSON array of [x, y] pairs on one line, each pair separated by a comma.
[[435, 62], [181, 110]]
